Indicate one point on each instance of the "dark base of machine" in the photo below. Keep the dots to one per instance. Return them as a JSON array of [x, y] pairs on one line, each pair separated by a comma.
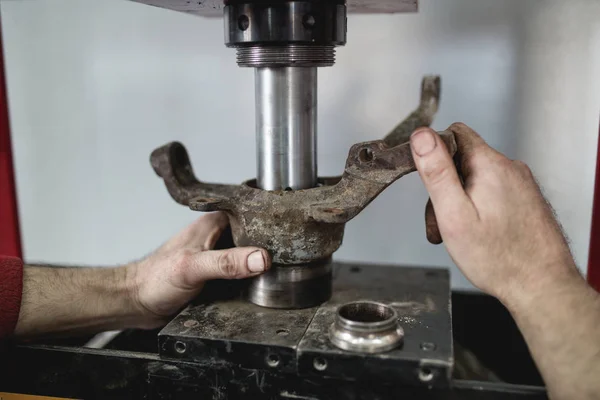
[[490, 359]]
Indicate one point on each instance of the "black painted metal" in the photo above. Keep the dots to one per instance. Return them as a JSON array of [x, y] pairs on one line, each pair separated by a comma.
[[276, 22], [110, 374]]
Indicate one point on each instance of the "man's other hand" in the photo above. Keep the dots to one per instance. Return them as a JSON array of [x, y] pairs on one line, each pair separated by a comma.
[[174, 274], [490, 213]]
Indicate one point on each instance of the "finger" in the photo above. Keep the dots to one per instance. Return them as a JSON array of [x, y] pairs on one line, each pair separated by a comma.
[[437, 170], [431, 227], [236, 263], [468, 143], [206, 230]]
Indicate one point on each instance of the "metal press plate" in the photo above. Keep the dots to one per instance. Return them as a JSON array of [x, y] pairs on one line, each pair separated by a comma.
[[233, 330], [420, 296], [230, 330], [214, 8]]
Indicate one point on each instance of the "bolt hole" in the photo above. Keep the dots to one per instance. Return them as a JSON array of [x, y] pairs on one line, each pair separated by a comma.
[[355, 269], [309, 21], [180, 347], [365, 155], [272, 360], [283, 332], [320, 364], [427, 346], [243, 22], [425, 374]]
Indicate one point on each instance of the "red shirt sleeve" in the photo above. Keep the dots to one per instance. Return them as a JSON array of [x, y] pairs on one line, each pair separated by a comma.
[[11, 290]]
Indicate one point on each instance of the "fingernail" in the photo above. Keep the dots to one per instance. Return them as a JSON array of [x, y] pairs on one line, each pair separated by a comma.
[[256, 262], [422, 142]]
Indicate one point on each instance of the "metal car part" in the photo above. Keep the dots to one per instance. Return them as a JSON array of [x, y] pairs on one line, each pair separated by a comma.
[[366, 326], [297, 286], [299, 227]]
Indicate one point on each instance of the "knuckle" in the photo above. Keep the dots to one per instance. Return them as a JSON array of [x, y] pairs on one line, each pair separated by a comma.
[[456, 229], [523, 168], [459, 126], [462, 129], [183, 260], [496, 163], [181, 265], [504, 163], [226, 265]]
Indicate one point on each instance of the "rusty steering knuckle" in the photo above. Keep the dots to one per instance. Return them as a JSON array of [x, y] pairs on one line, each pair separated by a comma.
[[303, 226]]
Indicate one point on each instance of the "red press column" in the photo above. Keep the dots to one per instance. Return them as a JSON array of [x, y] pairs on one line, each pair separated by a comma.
[[10, 239], [593, 274]]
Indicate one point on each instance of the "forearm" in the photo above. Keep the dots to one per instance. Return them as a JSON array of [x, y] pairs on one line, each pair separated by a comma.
[[559, 316], [61, 301]]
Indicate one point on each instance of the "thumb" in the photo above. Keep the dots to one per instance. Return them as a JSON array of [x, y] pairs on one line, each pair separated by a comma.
[[235, 263], [438, 172]]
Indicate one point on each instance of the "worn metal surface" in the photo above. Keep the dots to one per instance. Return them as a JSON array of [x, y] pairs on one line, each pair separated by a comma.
[[366, 326], [78, 373], [232, 329], [297, 341], [214, 8], [293, 286], [298, 226], [420, 296]]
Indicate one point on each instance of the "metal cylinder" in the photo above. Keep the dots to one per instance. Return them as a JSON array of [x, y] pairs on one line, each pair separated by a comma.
[[286, 126], [366, 327], [293, 286]]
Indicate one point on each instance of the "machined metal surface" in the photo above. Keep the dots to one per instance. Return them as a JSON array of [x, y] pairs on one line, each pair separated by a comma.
[[286, 128], [214, 8], [296, 55], [367, 327], [297, 341], [296, 286], [276, 22]]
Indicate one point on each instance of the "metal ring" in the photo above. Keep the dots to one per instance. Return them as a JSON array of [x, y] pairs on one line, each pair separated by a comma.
[[286, 56], [366, 327], [318, 23], [292, 287]]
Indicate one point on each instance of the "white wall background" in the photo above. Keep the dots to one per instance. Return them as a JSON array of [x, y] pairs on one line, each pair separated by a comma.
[[95, 86]]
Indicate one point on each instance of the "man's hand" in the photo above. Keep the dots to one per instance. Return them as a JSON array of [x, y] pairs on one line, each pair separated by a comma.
[[503, 235], [66, 301], [175, 274], [498, 228]]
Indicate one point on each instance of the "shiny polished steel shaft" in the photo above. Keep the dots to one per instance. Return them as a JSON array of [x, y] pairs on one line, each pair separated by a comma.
[[286, 125]]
